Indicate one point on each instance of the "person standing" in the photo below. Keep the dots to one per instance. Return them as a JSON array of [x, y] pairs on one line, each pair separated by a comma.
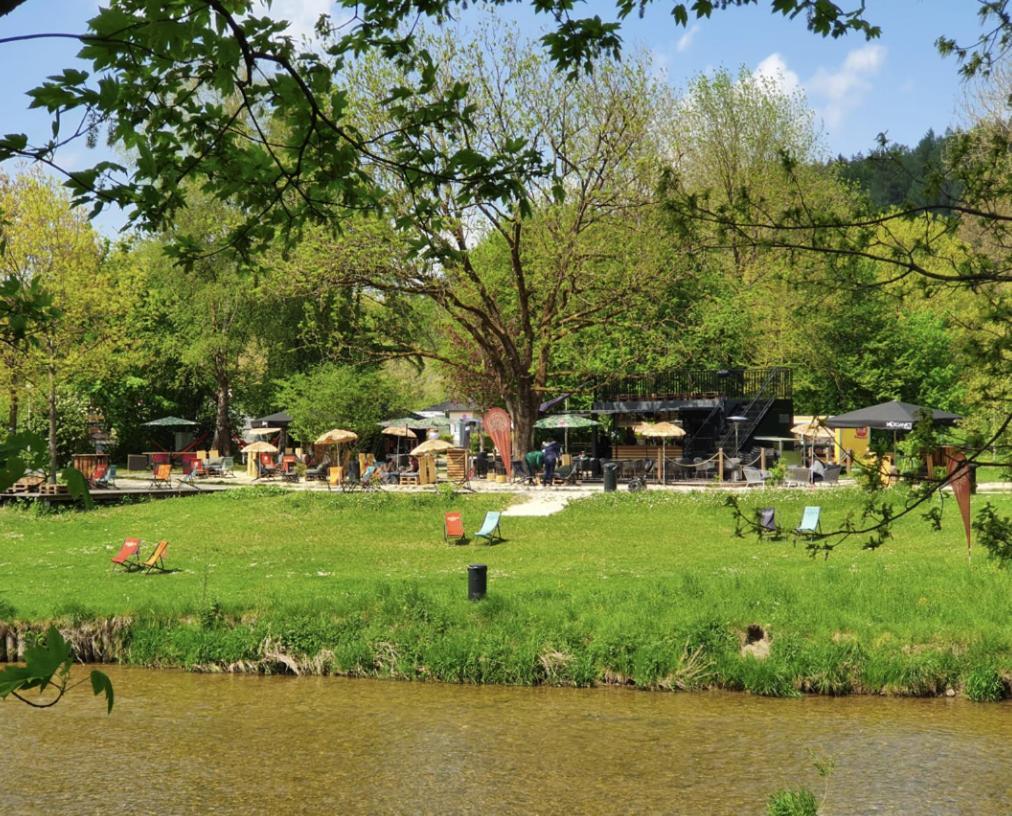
[[552, 451]]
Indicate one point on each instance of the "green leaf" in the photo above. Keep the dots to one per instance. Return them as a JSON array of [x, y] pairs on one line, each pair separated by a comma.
[[100, 683]]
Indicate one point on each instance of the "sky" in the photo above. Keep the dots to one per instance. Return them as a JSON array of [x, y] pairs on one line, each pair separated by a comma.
[[897, 84]]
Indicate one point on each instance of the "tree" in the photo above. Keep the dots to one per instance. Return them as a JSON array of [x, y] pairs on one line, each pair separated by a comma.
[[51, 246], [514, 280]]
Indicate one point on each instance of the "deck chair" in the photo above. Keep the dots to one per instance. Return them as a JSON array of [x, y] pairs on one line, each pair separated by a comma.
[[766, 522], [196, 469], [810, 523], [155, 561], [372, 477], [99, 476], [453, 528], [127, 557], [320, 471], [753, 477], [490, 530], [161, 476], [106, 480]]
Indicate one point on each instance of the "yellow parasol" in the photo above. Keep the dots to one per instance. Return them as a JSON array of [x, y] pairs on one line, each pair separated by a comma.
[[663, 431], [431, 446], [260, 447], [396, 430], [337, 436], [812, 430]]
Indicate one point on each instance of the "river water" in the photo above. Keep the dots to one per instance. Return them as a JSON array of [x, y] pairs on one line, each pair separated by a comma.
[[180, 743]]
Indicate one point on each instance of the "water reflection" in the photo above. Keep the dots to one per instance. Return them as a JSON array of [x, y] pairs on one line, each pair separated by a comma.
[[182, 743]]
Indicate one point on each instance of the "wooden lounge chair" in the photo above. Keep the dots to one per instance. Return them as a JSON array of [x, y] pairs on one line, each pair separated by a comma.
[[155, 562], [127, 557], [810, 523], [490, 530], [161, 476], [453, 528]]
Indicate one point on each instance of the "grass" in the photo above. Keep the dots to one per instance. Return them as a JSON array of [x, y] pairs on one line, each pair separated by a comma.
[[648, 589]]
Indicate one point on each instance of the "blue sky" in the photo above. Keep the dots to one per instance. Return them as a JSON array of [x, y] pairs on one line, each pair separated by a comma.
[[897, 83]]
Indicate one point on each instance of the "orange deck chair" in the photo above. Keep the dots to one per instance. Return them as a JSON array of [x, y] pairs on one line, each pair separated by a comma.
[[162, 475], [453, 528], [155, 561], [127, 557]]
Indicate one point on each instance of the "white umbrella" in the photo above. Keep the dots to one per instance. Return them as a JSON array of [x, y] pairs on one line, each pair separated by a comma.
[[262, 431]]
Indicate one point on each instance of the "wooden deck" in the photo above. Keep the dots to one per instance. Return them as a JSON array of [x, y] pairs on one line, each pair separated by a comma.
[[120, 493]]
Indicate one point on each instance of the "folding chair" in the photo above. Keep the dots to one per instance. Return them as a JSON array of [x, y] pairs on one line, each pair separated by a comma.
[[128, 555], [161, 476], [490, 530], [453, 528], [810, 523]]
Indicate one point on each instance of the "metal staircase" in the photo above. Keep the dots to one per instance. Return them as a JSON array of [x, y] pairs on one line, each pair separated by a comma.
[[754, 412]]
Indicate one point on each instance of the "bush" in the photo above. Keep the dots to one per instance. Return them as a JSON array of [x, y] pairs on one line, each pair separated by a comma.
[[994, 533], [792, 803]]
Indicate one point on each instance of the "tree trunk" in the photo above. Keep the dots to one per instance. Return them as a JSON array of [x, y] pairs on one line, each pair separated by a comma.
[[53, 455], [524, 413], [12, 411], [222, 425]]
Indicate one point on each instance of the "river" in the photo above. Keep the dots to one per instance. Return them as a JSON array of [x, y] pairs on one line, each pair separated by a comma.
[[179, 743]]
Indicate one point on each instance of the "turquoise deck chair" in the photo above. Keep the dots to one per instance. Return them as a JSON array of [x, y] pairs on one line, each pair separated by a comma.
[[810, 523], [490, 529]]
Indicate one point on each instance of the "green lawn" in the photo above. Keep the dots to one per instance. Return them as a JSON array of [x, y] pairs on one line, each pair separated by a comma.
[[645, 588]]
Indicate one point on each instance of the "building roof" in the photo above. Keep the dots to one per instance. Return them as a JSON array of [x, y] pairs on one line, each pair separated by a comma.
[[280, 418], [450, 406]]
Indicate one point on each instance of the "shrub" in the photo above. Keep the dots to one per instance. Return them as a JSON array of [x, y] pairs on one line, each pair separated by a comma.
[[994, 533], [787, 802]]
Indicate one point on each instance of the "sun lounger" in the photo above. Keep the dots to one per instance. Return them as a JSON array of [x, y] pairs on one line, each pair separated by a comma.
[[453, 528], [766, 521], [753, 476], [490, 530], [127, 557]]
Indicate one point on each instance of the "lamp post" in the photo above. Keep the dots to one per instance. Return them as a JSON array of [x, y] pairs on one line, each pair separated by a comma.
[[737, 420]]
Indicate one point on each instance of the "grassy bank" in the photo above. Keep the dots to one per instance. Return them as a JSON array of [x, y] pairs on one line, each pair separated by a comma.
[[647, 589]]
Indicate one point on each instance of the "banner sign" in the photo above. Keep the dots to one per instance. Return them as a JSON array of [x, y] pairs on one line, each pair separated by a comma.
[[961, 489], [497, 425]]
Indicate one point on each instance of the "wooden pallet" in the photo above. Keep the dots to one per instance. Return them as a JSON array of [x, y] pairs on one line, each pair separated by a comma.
[[52, 490]]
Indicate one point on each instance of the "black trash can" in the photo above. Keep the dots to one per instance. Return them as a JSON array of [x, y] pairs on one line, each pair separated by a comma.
[[477, 581], [610, 477]]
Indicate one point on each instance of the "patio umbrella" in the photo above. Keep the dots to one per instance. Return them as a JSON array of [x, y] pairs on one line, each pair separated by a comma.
[[890, 416], [566, 421], [169, 422], [812, 430], [260, 447], [400, 432], [663, 431], [262, 431], [431, 446], [337, 436]]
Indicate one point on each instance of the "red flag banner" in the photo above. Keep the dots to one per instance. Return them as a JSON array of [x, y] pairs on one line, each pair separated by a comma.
[[497, 425], [961, 489]]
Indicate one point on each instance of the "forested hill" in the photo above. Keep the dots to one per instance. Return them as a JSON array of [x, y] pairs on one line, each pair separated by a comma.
[[896, 175]]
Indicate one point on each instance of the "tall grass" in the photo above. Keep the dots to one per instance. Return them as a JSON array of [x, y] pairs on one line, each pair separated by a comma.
[[646, 589]]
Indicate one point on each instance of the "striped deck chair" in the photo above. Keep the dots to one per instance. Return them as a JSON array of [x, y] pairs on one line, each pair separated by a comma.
[[490, 530]]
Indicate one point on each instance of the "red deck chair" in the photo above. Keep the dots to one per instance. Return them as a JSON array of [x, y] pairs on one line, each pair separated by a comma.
[[453, 528], [127, 557], [98, 475]]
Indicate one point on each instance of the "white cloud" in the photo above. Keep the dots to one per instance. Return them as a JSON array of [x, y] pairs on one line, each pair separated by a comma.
[[685, 41], [775, 69], [300, 14], [845, 88], [833, 92]]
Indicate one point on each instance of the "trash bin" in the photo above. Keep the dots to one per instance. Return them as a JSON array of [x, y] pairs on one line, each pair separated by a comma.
[[610, 477], [477, 581]]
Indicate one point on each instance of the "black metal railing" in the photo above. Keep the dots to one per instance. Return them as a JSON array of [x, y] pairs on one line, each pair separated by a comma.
[[733, 383]]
